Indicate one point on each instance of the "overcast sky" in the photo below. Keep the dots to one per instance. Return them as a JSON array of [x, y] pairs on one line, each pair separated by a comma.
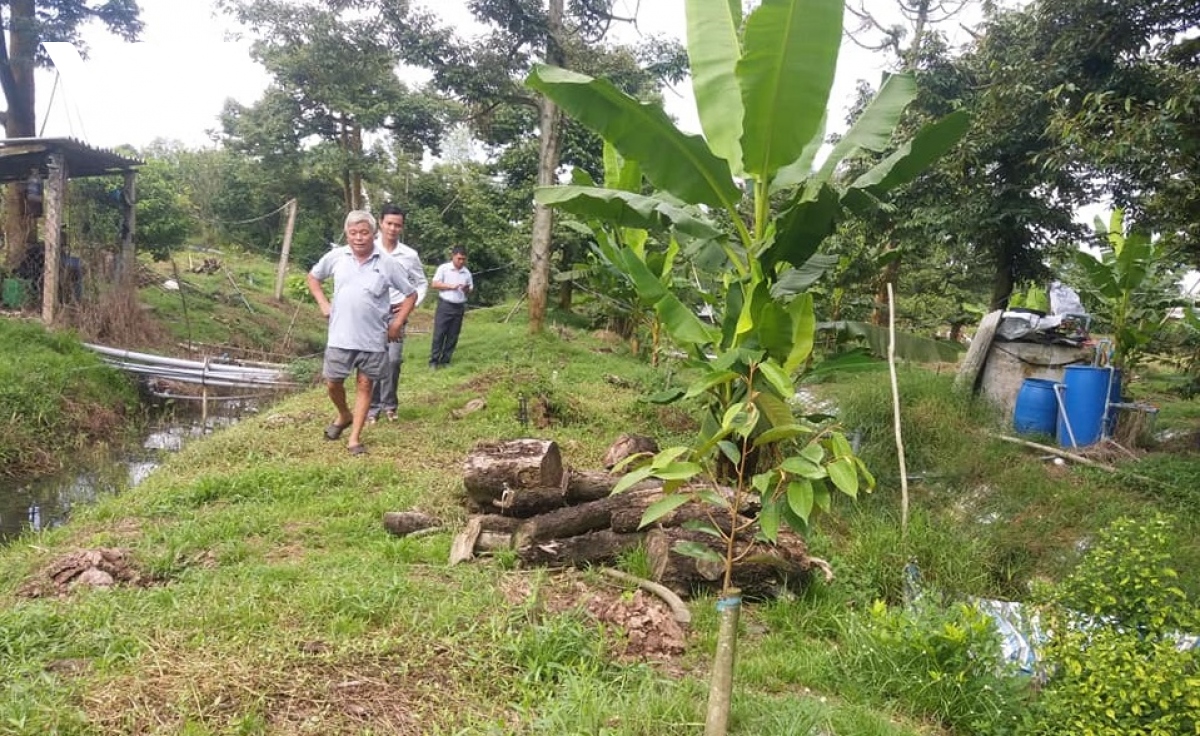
[[173, 84]]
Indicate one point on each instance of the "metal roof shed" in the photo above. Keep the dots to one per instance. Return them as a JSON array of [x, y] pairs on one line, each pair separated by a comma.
[[56, 160]]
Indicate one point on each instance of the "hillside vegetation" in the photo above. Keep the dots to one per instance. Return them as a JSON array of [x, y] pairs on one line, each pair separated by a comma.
[[258, 592]]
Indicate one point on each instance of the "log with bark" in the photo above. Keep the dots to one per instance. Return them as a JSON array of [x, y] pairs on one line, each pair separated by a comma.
[[763, 570], [599, 547], [493, 467], [570, 521]]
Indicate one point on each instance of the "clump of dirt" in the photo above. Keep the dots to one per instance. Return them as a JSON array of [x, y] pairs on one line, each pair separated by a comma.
[[103, 567], [648, 630]]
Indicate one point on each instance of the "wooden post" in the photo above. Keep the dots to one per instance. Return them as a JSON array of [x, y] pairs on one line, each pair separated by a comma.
[[56, 173], [127, 263], [287, 248]]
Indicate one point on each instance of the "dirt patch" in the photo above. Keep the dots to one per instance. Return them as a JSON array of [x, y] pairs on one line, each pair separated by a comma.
[[104, 567], [646, 629]]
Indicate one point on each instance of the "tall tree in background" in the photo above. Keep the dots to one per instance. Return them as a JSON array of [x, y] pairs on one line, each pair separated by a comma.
[[28, 23], [1126, 104], [486, 75], [335, 86], [906, 36]]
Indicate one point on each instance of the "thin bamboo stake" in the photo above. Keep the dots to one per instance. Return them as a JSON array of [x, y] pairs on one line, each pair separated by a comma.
[[896, 411]]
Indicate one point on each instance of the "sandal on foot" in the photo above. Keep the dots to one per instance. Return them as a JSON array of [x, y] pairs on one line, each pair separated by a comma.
[[358, 449], [333, 431], [391, 416]]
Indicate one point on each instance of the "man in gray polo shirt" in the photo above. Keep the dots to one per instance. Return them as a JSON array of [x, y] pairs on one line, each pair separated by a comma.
[[361, 320]]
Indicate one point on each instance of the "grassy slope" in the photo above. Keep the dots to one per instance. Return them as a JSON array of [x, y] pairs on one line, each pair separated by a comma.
[[280, 605]]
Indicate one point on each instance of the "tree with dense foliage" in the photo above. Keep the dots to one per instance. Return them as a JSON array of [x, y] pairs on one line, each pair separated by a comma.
[[485, 75], [334, 87], [28, 23]]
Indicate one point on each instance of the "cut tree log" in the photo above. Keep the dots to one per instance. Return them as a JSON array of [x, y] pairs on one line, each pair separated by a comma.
[[523, 503], [762, 571], [628, 518], [592, 485], [403, 523], [626, 446], [593, 548], [482, 533], [493, 467], [570, 521]]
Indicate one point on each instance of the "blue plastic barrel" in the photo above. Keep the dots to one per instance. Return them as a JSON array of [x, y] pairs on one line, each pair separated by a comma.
[[1036, 410], [1085, 395]]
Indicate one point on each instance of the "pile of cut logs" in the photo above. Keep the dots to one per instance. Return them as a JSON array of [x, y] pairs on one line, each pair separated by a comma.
[[524, 499]]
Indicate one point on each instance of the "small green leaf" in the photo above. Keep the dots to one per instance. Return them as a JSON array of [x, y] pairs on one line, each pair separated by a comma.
[[768, 519], [731, 452], [839, 445], [779, 380], [667, 396], [781, 434], [662, 507], [844, 475], [697, 551], [803, 467], [632, 478], [700, 525], [800, 498], [813, 452], [712, 498], [764, 483], [822, 498], [678, 471], [713, 378]]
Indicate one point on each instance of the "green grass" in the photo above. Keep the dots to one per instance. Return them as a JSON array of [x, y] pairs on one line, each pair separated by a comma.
[[274, 602], [58, 399]]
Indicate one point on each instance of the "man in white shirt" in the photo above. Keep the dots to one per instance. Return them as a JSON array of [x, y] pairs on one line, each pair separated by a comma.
[[391, 224], [453, 283]]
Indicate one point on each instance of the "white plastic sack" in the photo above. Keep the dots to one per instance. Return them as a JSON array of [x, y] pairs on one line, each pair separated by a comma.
[[1064, 299]]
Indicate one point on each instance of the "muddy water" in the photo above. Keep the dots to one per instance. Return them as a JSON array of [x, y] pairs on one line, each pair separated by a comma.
[[47, 502]]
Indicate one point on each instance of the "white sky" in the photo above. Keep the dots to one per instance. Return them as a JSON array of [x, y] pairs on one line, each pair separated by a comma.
[[173, 84]]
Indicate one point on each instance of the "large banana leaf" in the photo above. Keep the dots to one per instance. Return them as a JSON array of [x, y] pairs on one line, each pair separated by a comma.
[[713, 51], [789, 57], [797, 280], [873, 129], [625, 209], [681, 323], [680, 164], [910, 160], [619, 173], [908, 346], [803, 227]]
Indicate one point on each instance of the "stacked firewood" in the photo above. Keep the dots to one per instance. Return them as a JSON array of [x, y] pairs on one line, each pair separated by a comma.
[[523, 498]]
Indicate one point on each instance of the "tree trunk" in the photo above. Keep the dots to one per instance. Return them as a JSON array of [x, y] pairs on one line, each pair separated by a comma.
[[594, 548], [549, 121], [17, 81]]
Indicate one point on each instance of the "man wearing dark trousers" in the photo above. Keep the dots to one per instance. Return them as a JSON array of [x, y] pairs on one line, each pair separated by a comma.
[[452, 282]]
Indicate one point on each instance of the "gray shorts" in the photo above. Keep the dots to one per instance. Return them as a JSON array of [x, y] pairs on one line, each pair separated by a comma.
[[339, 363]]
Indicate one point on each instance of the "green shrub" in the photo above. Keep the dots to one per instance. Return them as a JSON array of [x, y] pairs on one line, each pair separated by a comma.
[[1115, 667], [937, 662]]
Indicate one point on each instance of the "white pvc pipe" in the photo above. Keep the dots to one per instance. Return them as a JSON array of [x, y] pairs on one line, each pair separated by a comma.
[[1062, 411]]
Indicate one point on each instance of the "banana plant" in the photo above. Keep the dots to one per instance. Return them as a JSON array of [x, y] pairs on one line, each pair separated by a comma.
[[762, 83], [1130, 286]]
